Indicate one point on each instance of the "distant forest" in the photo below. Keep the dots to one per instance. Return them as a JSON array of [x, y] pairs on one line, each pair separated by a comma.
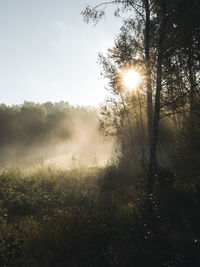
[[29, 127]]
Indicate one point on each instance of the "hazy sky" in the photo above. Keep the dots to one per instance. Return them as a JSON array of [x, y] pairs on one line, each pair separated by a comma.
[[47, 52]]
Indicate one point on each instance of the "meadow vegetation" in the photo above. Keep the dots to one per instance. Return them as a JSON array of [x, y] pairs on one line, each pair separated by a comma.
[[97, 216]]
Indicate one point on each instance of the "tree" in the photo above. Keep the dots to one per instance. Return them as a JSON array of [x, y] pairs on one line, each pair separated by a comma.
[[160, 50], [122, 113], [142, 13], [170, 30]]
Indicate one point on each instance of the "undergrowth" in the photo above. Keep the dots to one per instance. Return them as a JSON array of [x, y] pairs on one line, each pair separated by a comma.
[[70, 218]]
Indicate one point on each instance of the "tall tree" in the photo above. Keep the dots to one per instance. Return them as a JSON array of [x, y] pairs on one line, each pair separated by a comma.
[[148, 69], [170, 30], [160, 50], [142, 12]]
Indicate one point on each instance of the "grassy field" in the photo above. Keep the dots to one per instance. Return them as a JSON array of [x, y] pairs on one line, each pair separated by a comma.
[[51, 217]]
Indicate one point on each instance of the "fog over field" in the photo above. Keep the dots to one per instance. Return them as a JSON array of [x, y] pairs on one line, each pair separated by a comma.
[[63, 136]]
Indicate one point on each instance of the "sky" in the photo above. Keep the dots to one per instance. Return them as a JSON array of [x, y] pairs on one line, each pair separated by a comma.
[[48, 53]]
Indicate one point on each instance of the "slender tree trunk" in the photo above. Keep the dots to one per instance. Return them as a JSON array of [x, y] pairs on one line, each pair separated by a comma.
[[148, 71], [154, 140], [129, 123], [192, 85], [142, 135]]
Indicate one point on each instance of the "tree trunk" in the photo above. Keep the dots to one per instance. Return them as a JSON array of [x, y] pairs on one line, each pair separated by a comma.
[[192, 84], [154, 140], [142, 134], [148, 71]]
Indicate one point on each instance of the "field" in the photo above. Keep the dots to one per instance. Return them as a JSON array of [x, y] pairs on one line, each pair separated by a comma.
[[75, 217]]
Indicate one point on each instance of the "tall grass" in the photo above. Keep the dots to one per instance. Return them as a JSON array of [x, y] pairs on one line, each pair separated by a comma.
[[52, 217]]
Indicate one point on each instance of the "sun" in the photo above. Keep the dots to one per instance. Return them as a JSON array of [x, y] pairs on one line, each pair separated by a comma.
[[131, 79]]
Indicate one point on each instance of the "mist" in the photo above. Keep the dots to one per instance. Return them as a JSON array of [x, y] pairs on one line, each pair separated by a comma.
[[58, 135]]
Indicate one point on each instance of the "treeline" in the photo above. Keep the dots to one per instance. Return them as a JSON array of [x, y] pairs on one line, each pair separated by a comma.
[[32, 126]]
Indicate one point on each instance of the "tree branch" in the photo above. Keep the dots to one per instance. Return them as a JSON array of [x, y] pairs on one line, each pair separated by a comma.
[[173, 113]]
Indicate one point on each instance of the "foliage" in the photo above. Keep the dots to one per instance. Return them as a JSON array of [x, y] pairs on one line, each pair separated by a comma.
[[162, 39], [66, 218], [187, 156], [124, 112]]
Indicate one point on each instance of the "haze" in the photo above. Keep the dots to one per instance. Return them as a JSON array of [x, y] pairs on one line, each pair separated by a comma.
[[58, 134]]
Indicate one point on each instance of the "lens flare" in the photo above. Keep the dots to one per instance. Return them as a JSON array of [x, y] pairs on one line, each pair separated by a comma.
[[131, 79]]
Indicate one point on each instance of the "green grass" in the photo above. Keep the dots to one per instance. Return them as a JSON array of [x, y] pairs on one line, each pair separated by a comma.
[[69, 218]]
